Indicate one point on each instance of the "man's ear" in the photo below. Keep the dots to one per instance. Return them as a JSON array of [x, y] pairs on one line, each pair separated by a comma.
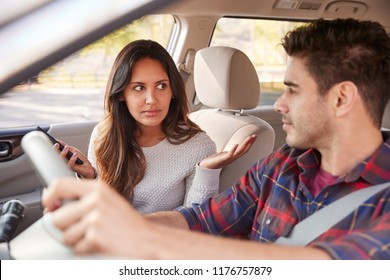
[[345, 95]]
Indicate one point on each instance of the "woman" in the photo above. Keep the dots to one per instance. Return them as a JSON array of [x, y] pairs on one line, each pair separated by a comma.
[[146, 147]]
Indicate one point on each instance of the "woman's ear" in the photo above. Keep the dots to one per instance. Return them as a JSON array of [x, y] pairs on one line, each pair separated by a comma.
[[121, 98], [345, 94]]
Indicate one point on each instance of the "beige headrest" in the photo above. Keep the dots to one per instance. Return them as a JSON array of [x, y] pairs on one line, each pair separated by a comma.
[[225, 78], [386, 117]]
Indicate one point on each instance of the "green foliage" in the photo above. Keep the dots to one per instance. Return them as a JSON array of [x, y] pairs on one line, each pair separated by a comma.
[[259, 39], [156, 28]]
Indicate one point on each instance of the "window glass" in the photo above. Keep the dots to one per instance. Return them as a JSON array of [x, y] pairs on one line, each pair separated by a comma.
[[16, 9], [73, 89], [260, 40]]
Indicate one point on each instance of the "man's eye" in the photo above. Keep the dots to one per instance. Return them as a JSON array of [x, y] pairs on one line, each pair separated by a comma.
[[290, 90]]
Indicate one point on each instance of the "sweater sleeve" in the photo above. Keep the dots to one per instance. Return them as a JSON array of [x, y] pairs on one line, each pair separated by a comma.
[[205, 184], [202, 183]]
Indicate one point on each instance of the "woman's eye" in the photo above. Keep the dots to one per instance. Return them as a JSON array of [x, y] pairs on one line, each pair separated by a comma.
[[162, 86], [138, 88]]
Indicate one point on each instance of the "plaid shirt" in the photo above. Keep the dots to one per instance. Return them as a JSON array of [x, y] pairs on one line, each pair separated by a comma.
[[271, 198]]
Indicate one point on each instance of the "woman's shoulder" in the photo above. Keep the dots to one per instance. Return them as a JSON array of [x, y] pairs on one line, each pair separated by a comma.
[[95, 131], [202, 138], [201, 143], [191, 135]]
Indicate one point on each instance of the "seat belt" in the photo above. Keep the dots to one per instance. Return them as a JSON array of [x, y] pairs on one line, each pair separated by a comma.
[[187, 66], [316, 224]]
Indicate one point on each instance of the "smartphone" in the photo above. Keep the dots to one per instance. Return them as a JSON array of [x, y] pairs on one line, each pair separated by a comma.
[[69, 154]]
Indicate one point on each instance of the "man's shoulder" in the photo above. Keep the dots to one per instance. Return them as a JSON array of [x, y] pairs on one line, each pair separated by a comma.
[[287, 157]]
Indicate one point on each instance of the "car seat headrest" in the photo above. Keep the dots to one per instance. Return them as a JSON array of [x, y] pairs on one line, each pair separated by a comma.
[[386, 116], [225, 78]]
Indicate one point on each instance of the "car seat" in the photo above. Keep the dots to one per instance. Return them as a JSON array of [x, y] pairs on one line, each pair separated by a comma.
[[386, 117], [226, 80]]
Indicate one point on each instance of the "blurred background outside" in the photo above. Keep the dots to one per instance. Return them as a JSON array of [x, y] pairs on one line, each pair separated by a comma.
[[73, 89]]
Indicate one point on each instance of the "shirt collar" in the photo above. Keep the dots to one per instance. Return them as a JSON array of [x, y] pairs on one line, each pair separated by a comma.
[[375, 169]]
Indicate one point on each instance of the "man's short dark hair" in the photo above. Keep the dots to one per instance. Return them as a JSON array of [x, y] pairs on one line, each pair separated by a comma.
[[346, 50]]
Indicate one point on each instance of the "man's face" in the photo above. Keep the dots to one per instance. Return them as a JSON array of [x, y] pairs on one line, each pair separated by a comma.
[[305, 114]]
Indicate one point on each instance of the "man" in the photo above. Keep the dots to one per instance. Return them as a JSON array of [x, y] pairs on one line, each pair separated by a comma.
[[338, 81]]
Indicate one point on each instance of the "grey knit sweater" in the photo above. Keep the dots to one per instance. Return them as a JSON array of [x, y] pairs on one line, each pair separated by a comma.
[[173, 177]]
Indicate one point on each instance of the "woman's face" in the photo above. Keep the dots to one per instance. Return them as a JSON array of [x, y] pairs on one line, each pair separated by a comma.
[[148, 94]]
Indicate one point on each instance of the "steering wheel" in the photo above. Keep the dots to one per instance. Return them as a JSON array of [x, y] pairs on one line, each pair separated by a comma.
[[42, 240]]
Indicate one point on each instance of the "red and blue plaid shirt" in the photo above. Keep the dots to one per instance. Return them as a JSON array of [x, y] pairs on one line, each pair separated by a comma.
[[271, 198]]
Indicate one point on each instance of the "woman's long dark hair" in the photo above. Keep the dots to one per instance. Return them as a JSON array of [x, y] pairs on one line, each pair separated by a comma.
[[120, 160]]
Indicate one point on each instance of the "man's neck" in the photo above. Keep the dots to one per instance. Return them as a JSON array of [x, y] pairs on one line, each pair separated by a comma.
[[344, 153]]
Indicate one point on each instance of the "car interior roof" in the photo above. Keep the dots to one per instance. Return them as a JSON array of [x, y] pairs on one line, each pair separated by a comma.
[[377, 10]]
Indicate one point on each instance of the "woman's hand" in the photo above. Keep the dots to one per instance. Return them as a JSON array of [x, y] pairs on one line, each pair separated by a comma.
[[221, 159], [84, 170]]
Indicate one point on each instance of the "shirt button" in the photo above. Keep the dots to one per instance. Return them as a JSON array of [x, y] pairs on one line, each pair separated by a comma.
[[300, 189], [268, 221]]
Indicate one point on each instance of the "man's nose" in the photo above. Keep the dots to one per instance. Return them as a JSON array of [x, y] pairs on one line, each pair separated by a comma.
[[280, 104]]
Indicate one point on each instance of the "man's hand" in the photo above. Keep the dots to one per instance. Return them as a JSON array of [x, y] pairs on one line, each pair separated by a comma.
[[96, 220]]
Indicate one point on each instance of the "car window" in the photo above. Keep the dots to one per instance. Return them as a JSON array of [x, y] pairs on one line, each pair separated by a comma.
[[73, 89], [17, 8], [260, 41]]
